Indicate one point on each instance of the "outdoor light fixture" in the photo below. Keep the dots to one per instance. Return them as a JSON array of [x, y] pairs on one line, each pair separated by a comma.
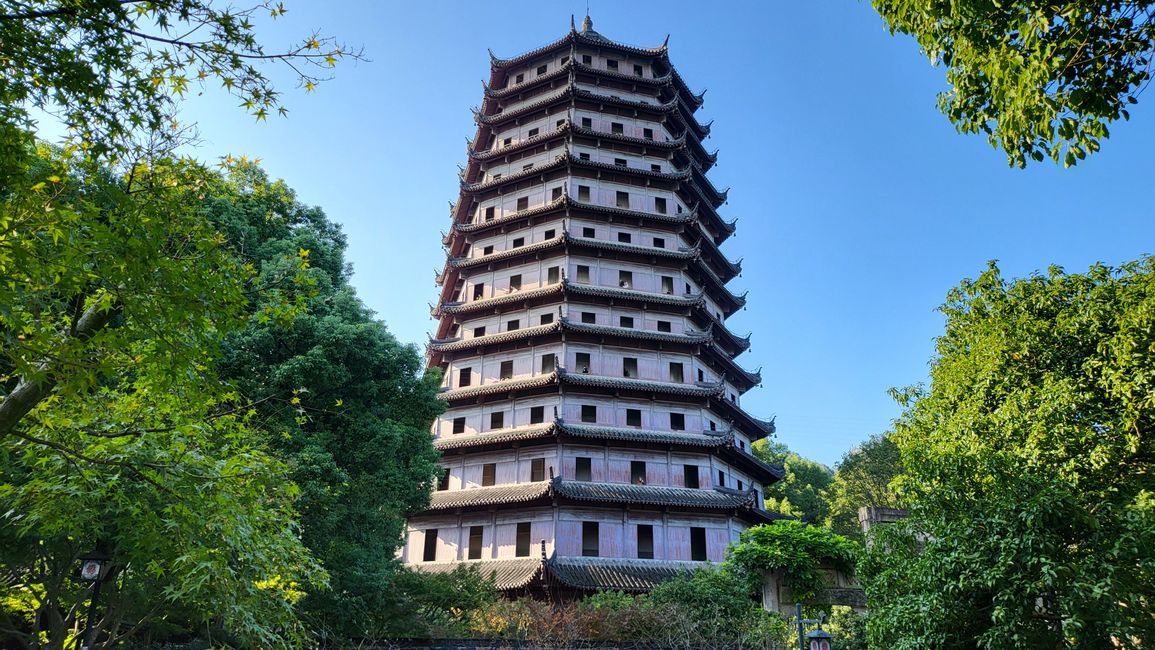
[[93, 568], [819, 639]]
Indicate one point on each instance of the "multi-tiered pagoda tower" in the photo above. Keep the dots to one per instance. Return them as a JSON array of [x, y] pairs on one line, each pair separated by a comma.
[[594, 436]]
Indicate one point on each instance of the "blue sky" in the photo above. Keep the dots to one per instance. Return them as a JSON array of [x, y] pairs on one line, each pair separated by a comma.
[[858, 204]]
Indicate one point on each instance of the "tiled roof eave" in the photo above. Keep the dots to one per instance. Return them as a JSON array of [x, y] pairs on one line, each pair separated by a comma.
[[676, 175], [644, 435], [497, 301], [636, 249], [622, 383], [468, 262], [520, 145], [472, 188], [516, 493], [498, 387], [667, 107], [459, 441], [617, 137], [453, 345], [664, 80], [652, 495], [617, 574], [507, 574]]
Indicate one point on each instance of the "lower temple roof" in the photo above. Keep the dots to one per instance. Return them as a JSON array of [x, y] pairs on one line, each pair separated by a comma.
[[583, 573]]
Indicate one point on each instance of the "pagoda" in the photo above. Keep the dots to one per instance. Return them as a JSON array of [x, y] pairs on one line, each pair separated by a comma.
[[594, 436]]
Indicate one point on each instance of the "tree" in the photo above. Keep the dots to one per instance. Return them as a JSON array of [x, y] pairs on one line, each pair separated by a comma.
[[1029, 462], [793, 549], [862, 478], [800, 492], [112, 70], [1041, 80], [132, 445], [343, 403]]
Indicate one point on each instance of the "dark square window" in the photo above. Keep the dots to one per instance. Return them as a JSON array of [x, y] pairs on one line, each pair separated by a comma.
[[638, 472], [497, 420], [488, 474], [489, 213], [443, 482], [583, 155], [459, 425], [584, 193], [587, 59], [479, 291], [587, 123], [553, 275], [542, 68], [676, 372], [559, 123], [533, 132], [739, 485], [583, 468], [690, 476], [583, 273], [515, 282], [536, 414], [519, 78], [630, 367], [548, 363], [698, 544], [701, 375], [589, 539], [721, 478], [713, 425], [648, 134], [678, 421], [623, 199], [555, 194], [626, 321], [617, 127], [583, 360], [564, 60], [633, 417], [476, 534], [512, 325], [487, 250], [638, 70], [523, 203], [625, 237], [659, 242], [521, 548], [518, 242], [506, 142], [526, 167], [537, 470], [479, 331], [589, 318], [589, 233], [612, 64], [620, 162], [656, 168], [645, 542], [663, 326], [506, 370], [465, 377], [550, 234], [625, 279], [546, 319], [660, 205], [589, 413], [667, 285], [430, 551]]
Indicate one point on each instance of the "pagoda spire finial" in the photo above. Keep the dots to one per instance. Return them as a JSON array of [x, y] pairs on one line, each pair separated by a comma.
[[587, 24]]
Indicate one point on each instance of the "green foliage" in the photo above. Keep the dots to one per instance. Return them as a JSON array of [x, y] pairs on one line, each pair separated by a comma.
[[862, 478], [847, 627], [1041, 80], [794, 550], [345, 404], [130, 442], [113, 70], [800, 492], [1030, 471]]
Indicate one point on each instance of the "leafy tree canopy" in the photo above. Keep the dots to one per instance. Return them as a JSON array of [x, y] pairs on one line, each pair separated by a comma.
[[862, 478], [799, 493], [1030, 470], [345, 404], [1041, 80], [112, 70]]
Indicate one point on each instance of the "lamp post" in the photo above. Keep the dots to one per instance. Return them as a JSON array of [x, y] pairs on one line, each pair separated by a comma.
[[819, 639], [93, 568]]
